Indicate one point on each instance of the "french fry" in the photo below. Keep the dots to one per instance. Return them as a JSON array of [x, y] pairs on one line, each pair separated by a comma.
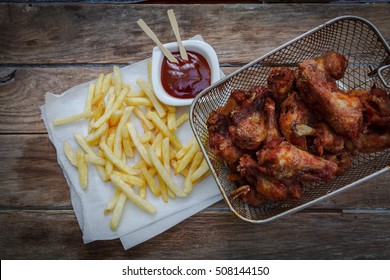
[[73, 118], [106, 83], [82, 169], [111, 205], [142, 191], [94, 136], [83, 144], [150, 181], [141, 115], [118, 102], [150, 93], [171, 120], [95, 159], [70, 153], [164, 129], [138, 145], [185, 160], [185, 148], [136, 93], [115, 117], [138, 101], [194, 165], [117, 162], [171, 184], [157, 144], [132, 195], [202, 169], [182, 119], [146, 137], [130, 179], [165, 153], [88, 101], [118, 134], [117, 213], [117, 80], [163, 189]]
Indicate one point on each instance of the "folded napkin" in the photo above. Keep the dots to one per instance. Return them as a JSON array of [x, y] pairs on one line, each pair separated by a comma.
[[135, 225]]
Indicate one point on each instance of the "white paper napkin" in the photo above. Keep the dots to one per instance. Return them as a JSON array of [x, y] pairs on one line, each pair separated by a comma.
[[135, 225]]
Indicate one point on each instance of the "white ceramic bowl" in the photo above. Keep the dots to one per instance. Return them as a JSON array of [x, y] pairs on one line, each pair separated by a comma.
[[197, 46]]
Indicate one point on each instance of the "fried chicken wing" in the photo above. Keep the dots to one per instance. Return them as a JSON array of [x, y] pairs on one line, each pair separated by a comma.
[[271, 121], [280, 81], [219, 139], [341, 111], [248, 128], [283, 160], [293, 112], [332, 64], [248, 194], [271, 190]]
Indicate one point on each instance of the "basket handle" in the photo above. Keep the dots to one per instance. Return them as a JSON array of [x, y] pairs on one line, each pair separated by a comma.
[[381, 75]]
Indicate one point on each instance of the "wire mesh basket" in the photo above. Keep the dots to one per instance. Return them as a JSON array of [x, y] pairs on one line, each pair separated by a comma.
[[368, 55]]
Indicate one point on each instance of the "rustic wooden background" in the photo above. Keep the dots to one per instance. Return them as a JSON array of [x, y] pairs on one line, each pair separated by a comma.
[[54, 46]]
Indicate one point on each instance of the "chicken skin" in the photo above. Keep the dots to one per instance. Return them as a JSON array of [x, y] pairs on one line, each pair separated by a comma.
[[219, 139], [280, 81], [282, 160], [248, 128], [341, 111], [293, 112]]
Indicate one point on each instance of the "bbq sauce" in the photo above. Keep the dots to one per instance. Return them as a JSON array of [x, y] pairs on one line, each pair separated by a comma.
[[186, 78]]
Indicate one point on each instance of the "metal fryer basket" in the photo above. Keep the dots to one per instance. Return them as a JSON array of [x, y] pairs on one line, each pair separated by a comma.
[[367, 52]]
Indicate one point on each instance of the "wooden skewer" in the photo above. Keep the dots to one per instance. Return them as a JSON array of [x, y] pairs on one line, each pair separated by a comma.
[[152, 36], [175, 28]]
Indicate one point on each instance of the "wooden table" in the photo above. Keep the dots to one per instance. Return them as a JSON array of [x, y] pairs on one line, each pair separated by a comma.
[[52, 47]]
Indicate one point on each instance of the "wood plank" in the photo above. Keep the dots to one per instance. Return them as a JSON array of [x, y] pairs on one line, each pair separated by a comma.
[[55, 235], [76, 34], [31, 177]]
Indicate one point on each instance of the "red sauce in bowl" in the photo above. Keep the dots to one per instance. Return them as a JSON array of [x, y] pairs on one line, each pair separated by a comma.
[[187, 78]]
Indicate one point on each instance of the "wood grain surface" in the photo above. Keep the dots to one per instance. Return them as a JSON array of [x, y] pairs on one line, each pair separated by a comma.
[[47, 47]]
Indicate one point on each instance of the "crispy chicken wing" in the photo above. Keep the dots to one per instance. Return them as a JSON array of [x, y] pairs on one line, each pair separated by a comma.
[[341, 111], [293, 112], [219, 139], [272, 190], [248, 128], [332, 64], [280, 81], [283, 160]]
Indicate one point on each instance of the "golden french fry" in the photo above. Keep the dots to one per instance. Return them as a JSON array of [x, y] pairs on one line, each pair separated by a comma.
[[164, 129], [130, 179], [132, 196], [150, 181], [138, 101], [166, 153], [127, 148], [202, 169], [171, 184], [194, 165], [111, 205], [136, 93], [118, 134], [185, 148], [95, 159], [88, 101], [141, 115], [106, 83], [107, 114], [138, 145], [182, 119], [70, 153], [116, 161], [150, 93], [117, 213], [163, 189], [83, 144], [157, 144], [82, 169], [115, 117], [186, 159], [117, 80], [146, 137], [205, 175], [94, 136], [171, 120], [73, 118]]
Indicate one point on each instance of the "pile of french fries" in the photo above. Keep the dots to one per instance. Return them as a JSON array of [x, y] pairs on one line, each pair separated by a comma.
[[113, 139]]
